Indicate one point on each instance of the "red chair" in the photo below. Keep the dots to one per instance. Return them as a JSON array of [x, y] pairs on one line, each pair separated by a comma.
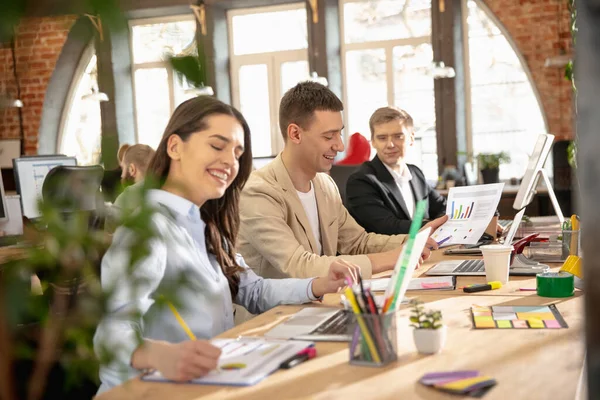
[[359, 151]]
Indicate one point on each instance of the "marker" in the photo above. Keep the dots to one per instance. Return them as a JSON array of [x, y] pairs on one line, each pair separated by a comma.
[[298, 358], [441, 242], [483, 287]]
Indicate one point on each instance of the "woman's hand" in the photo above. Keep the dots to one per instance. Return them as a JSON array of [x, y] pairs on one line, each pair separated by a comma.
[[178, 361], [339, 270]]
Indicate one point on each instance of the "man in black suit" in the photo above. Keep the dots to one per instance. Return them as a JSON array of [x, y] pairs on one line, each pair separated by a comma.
[[383, 192]]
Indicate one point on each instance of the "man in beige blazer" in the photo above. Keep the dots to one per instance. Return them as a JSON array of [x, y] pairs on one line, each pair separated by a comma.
[[293, 222]]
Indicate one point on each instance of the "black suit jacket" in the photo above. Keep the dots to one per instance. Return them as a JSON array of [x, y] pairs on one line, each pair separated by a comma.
[[376, 203]]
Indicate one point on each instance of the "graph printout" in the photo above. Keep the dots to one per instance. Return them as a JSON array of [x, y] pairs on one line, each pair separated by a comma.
[[470, 209]]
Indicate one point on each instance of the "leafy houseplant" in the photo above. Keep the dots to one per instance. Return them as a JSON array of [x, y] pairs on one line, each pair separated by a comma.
[[430, 332], [489, 165]]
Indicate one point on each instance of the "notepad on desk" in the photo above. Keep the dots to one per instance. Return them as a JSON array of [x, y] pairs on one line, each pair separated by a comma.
[[428, 283], [245, 361]]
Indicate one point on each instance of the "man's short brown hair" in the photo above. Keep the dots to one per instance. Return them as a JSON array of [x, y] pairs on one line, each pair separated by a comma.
[[122, 151], [139, 155], [299, 104], [384, 115]]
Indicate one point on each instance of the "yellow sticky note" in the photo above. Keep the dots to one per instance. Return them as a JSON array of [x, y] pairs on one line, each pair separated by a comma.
[[505, 324], [535, 323], [533, 315], [484, 322]]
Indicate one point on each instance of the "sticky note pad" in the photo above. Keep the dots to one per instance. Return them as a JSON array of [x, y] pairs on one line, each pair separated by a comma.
[[504, 316], [535, 315], [535, 323], [530, 309], [482, 313], [552, 323], [480, 309], [503, 309], [504, 324], [519, 324], [484, 322]]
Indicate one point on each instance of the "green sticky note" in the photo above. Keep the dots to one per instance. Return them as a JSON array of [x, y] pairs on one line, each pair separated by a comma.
[[504, 324]]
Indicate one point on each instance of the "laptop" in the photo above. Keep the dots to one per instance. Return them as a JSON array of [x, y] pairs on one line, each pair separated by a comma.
[[477, 268], [331, 324], [315, 323]]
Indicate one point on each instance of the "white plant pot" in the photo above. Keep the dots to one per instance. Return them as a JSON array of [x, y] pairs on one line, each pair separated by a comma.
[[430, 341]]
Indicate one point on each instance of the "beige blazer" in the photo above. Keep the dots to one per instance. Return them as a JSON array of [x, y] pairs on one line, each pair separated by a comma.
[[276, 238]]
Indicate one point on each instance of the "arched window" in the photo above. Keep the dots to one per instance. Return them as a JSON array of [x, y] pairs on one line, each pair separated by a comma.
[[80, 129], [505, 108], [387, 58]]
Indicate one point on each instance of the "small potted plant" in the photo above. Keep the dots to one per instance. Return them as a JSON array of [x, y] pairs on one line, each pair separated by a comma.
[[429, 333], [489, 165]]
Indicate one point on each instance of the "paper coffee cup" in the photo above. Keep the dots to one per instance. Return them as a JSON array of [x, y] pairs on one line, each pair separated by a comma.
[[496, 258]]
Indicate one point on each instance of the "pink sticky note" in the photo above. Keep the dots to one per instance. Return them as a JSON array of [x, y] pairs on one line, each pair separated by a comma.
[[519, 324], [552, 324]]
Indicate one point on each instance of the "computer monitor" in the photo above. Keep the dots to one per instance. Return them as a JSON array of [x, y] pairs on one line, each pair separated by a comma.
[[30, 173], [3, 206], [535, 169]]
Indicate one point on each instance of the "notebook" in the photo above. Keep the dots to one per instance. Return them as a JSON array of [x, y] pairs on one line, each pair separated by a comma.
[[245, 361]]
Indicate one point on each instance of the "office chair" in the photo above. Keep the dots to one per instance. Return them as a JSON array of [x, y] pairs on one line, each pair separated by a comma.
[[340, 175], [76, 189]]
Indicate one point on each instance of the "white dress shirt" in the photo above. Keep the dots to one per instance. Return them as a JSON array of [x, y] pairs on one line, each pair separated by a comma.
[[178, 261], [402, 180]]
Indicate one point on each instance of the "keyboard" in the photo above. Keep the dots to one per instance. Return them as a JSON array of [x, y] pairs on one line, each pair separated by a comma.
[[470, 266], [336, 325]]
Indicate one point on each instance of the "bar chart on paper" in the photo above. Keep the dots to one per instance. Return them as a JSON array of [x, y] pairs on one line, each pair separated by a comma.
[[461, 211], [470, 210]]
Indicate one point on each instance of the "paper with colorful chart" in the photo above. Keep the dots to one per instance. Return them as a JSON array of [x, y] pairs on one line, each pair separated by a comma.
[[517, 317], [245, 361], [470, 210]]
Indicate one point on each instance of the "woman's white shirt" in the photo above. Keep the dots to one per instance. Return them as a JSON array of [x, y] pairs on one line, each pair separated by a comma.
[[177, 261]]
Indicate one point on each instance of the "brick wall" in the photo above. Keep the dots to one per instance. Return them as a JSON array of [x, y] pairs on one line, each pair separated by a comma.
[[541, 29], [39, 42]]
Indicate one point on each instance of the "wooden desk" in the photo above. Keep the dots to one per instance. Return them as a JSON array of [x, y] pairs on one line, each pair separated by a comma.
[[528, 364]]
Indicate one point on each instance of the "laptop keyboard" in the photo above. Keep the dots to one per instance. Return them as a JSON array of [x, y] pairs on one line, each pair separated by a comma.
[[470, 266], [337, 324]]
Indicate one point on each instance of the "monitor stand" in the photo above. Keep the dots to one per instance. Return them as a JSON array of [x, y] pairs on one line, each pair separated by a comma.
[[553, 199]]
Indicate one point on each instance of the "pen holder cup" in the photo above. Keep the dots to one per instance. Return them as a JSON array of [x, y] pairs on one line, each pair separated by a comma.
[[570, 242], [373, 339]]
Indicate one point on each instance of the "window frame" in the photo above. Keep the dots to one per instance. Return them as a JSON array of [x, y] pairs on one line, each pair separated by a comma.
[[153, 64], [272, 60], [85, 59]]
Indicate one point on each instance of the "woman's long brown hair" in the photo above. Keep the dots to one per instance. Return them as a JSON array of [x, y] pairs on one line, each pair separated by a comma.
[[222, 215]]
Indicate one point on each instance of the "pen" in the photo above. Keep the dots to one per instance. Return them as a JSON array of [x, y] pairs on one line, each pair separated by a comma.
[[441, 242], [300, 357], [482, 287]]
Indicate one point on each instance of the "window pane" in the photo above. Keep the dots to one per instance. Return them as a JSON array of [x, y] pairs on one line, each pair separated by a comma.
[[151, 42], [293, 72], [506, 115], [82, 131], [152, 104], [413, 92], [270, 31], [366, 21], [366, 87], [254, 105]]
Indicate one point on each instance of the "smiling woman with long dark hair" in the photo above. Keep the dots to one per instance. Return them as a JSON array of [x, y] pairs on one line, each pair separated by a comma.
[[201, 164]]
